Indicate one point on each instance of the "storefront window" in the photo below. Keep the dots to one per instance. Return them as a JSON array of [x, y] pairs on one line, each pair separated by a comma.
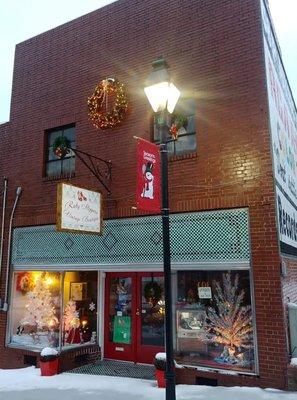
[[80, 308], [214, 320], [37, 320]]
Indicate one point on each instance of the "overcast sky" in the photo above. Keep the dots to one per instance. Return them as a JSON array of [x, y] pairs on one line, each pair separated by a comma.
[[22, 19]]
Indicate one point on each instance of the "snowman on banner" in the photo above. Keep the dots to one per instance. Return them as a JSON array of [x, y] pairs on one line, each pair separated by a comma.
[[148, 181]]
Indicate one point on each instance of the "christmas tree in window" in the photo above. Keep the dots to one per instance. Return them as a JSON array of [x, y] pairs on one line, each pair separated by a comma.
[[40, 311], [229, 323]]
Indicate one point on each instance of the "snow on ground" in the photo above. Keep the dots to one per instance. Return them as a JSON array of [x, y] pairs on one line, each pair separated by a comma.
[[27, 384]]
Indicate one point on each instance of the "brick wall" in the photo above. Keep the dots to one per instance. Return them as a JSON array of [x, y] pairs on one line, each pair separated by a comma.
[[215, 51]]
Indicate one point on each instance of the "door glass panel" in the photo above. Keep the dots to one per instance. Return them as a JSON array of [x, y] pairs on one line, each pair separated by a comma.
[[120, 310], [152, 311]]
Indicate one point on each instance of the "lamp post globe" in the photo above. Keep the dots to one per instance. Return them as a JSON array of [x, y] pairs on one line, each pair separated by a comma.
[[163, 96], [160, 91]]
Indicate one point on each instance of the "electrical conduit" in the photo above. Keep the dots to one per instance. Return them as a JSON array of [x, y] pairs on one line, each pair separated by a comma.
[[18, 193]]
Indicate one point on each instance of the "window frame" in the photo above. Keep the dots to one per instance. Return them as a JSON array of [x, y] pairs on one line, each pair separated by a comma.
[[47, 161], [61, 347], [225, 267], [175, 153]]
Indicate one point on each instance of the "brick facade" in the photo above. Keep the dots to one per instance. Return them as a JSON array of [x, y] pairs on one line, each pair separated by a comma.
[[215, 51]]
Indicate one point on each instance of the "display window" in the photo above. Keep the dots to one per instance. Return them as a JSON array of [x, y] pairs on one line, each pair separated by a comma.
[[53, 309], [80, 308], [214, 320]]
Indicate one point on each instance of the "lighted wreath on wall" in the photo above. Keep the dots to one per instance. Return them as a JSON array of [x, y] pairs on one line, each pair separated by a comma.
[[108, 104]]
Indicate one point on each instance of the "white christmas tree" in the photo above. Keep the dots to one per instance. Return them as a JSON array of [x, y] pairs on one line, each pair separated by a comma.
[[230, 323], [71, 316], [40, 310]]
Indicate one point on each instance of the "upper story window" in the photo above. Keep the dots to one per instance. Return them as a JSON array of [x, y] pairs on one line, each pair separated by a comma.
[[54, 166], [186, 140]]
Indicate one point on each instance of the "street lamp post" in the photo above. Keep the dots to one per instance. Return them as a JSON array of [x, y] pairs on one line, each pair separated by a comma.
[[163, 96]]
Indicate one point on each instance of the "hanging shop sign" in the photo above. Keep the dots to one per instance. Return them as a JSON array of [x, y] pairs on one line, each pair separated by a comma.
[[79, 210], [148, 191], [283, 127]]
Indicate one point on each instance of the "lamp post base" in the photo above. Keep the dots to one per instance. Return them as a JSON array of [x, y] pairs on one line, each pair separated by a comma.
[[170, 386]]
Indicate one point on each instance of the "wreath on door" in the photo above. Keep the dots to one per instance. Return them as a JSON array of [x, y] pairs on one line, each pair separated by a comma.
[[152, 292]]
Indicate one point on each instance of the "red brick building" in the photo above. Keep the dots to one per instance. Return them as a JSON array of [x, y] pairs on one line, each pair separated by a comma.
[[228, 215]]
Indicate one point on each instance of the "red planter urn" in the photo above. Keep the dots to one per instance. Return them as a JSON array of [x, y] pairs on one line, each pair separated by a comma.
[[160, 376], [49, 368]]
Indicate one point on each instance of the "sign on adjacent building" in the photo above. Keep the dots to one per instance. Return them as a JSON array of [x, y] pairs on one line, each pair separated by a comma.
[[283, 127], [78, 209]]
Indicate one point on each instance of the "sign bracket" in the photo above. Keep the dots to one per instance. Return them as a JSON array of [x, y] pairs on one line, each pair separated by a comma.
[[99, 167]]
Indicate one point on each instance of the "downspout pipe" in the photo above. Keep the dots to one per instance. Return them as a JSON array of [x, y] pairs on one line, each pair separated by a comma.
[[18, 193], [2, 227]]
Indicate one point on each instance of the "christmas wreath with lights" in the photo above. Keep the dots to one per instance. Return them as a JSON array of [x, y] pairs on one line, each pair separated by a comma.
[[99, 114], [152, 292], [61, 146]]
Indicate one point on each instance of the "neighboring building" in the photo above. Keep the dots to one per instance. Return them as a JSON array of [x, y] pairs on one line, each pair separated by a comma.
[[232, 195]]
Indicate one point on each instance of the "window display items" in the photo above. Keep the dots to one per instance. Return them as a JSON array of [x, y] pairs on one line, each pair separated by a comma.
[[36, 320], [191, 321], [229, 323], [39, 323], [93, 337], [25, 282], [123, 296], [86, 333], [78, 291], [80, 299], [191, 334], [152, 292], [71, 323]]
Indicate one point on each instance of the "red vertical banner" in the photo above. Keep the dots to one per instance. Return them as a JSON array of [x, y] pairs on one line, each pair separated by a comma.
[[148, 191]]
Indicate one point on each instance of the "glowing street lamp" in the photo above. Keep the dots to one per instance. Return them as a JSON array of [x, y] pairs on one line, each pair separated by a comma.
[[161, 93], [163, 96]]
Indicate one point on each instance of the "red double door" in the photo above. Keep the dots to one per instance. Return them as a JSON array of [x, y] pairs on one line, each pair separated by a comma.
[[134, 316]]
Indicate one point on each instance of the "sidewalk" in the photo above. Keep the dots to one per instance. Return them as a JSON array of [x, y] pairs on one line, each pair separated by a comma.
[[27, 384]]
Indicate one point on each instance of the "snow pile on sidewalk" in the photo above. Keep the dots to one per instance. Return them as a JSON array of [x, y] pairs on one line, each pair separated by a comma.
[[27, 383]]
